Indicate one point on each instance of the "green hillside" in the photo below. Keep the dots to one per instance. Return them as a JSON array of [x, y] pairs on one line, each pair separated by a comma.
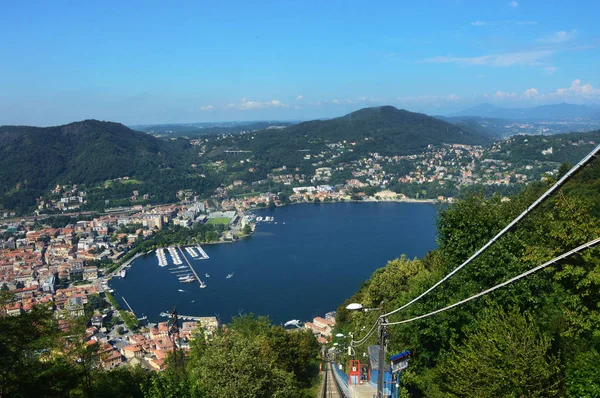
[[34, 159], [538, 337], [384, 130], [388, 130]]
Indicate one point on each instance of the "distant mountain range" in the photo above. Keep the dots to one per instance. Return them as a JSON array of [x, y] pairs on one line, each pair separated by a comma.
[[543, 112], [195, 130]]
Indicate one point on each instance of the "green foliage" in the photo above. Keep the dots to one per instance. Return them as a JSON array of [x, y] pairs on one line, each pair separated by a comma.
[[562, 301], [582, 376], [112, 301], [96, 303], [252, 358], [505, 354]]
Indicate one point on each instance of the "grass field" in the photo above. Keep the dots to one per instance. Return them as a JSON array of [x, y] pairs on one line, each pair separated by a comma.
[[219, 220]]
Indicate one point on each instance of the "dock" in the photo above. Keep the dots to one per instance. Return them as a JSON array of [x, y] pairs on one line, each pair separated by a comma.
[[184, 317], [202, 253], [202, 285]]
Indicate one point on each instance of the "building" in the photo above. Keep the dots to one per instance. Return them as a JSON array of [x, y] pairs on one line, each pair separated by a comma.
[[75, 307], [132, 351]]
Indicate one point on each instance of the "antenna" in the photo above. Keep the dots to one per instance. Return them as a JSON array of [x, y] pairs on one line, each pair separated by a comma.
[[174, 335]]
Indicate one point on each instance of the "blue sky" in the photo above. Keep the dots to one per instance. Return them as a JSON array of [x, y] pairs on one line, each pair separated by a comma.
[[158, 62]]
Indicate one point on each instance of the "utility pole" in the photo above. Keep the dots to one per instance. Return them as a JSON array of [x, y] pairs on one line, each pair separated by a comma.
[[382, 336]]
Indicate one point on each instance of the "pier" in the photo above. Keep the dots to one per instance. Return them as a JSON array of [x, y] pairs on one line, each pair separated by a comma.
[[202, 285], [128, 306], [183, 317]]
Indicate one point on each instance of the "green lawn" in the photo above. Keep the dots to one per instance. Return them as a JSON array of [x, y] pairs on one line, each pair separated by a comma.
[[219, 220], [130, 182]]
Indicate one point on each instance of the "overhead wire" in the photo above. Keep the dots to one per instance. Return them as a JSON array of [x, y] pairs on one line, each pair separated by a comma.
[[369, 333], [578, 249], [542, 198]]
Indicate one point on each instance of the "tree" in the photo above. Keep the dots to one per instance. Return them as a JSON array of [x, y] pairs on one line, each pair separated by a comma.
[[96, 302], [506, 355], [247, 230], [252, 358]]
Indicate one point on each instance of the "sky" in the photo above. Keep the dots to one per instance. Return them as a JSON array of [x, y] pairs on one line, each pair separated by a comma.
[[205, 61]]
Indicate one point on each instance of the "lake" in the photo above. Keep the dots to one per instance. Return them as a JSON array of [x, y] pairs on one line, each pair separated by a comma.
[[302, 265]]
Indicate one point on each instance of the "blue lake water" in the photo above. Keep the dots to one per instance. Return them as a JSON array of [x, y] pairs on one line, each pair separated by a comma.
[[307, 264]]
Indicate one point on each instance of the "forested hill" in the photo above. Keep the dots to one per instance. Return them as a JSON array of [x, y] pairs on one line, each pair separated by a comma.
[[538, 337], [388, 129], [33, 159], [384, 130]]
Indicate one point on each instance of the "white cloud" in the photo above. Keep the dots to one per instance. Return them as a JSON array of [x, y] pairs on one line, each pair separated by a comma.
[[585, 90], [559, 37], [299, 97], [550, 69], [248, 105], [498, 60], [501, 23], [207, 108], [530, 93], [503, 95], [577, 92], [513, 4], [431, 98], [336, 101]]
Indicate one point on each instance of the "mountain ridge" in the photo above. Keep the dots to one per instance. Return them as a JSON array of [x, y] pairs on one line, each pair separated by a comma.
[[385, 121], [33, 159]]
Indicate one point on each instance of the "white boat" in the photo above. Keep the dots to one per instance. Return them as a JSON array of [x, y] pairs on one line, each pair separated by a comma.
[[293, 322], [181, 290], [123, 273], [229, 275], [259, 219], [184, 277], [206, 275]]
